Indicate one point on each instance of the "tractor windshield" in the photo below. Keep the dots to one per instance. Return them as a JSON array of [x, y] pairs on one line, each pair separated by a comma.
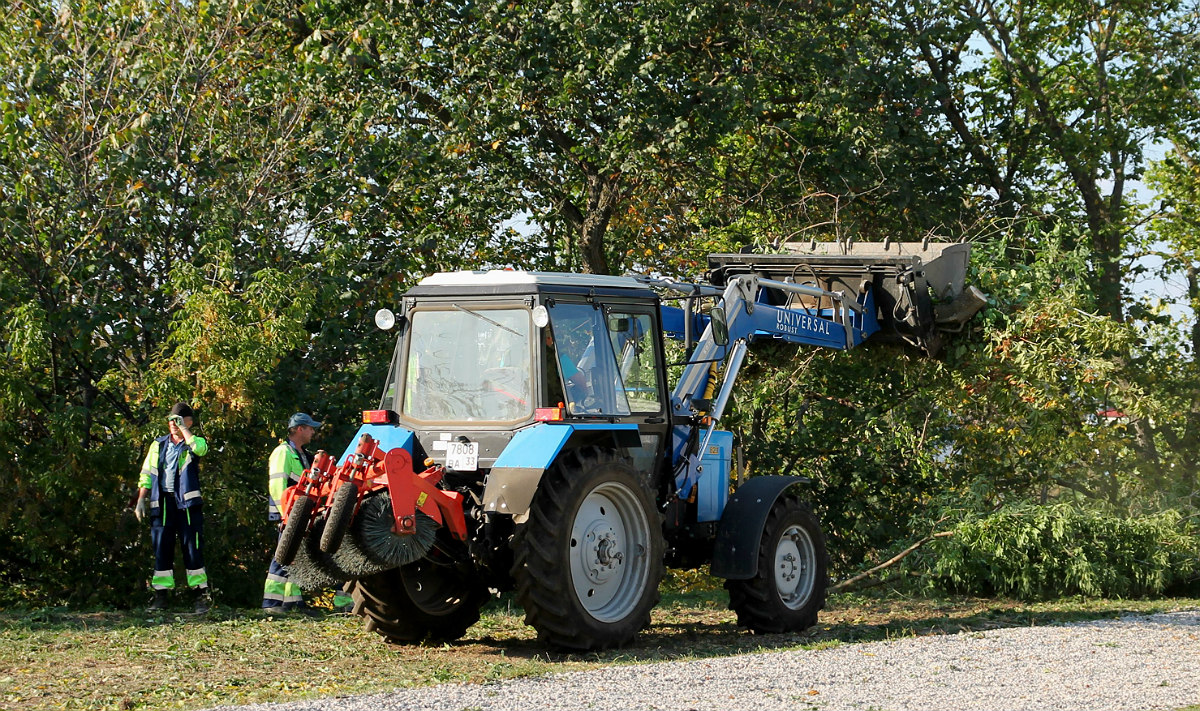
[[468, 365]]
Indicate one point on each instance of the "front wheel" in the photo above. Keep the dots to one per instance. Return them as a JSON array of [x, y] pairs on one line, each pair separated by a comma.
[[589, 559], [789, 588]]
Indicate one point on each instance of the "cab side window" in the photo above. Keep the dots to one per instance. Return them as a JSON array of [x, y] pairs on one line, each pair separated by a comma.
[[584, 356], [632, 337]]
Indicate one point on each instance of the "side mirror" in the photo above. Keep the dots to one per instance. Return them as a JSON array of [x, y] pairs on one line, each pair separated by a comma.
[[618, 324], [720, 326]]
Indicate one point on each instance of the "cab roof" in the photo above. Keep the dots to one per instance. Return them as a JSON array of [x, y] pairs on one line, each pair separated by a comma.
[[508, 281], [508, 276]]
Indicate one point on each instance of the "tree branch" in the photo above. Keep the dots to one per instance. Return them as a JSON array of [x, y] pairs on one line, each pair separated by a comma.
[[845, 584]]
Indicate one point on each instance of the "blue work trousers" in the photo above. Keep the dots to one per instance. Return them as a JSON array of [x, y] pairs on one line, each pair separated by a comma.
[[187, 526]]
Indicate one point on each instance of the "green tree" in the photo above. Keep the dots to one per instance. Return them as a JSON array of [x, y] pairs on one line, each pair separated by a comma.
[[1056, 102], [862, 426], [900, 446], [135, 137], [187, 213], [622, 132], [1027, 400], [1177, 229]]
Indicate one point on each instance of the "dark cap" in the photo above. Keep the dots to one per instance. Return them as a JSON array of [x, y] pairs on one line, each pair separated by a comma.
[[183, 410], [302, 418]]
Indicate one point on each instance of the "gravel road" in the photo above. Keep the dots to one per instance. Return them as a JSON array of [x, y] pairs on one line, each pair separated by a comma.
[[1135, 663]]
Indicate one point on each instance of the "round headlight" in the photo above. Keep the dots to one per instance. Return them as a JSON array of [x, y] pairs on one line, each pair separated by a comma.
[[541, 316], [385, 319]]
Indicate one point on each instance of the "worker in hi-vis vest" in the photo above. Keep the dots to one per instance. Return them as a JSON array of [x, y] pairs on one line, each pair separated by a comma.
[[169, 494], [287, 462]]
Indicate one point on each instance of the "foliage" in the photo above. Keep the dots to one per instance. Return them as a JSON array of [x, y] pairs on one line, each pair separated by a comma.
[[558, 106], [617, 131], [1176, 229], [206, 201], [187, 214], [1013, 410], [857, 426], [836, 144], [1024, 395], [1056, 102], [128, 144], [1057, 399], [1035, 551]]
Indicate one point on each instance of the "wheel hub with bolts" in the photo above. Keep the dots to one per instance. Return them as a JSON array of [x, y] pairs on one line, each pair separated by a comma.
[[609, 539], [603, 553], [794, 577], [789, 568]]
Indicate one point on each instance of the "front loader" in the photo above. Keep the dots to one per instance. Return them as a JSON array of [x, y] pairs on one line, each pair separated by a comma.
[[528, 439]]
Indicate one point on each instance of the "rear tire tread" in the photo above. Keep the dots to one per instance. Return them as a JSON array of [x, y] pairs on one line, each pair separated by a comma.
[[544, 587], [392, 613]]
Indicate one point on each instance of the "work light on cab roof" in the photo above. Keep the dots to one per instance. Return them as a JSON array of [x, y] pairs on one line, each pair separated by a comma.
[[385, 320]]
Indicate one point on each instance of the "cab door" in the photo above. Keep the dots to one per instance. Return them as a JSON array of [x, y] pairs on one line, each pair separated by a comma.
[[640, 377], [608, 363]]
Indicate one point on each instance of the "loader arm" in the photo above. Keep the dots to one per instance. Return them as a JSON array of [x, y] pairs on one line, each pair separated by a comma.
[[835, 308], [750, 316], [754, 309]]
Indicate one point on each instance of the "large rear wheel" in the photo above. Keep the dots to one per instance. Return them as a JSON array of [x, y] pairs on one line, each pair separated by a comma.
[[420, 602], [589, 559], [789, 588]]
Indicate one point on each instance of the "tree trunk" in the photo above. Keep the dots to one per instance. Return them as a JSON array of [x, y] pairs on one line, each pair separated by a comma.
[[602, 200], [1193, 292], [1106, 255], [1191, 431]]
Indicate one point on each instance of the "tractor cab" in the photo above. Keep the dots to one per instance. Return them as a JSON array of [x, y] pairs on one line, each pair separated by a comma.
[[483, 355]]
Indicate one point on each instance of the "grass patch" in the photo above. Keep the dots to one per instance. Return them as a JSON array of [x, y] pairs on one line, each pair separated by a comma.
[[59, 658]]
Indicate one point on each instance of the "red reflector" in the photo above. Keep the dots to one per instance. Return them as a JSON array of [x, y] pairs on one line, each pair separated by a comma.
[[377, 417], [548, 414]]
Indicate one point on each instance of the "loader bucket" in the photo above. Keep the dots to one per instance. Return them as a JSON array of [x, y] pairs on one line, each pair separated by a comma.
[[918, 286]]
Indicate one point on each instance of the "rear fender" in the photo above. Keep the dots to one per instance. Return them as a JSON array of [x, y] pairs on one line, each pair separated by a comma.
[[518, 470], [388, 436], [739, 535]]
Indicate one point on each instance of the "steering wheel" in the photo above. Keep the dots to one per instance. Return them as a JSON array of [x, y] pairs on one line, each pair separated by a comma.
[[492, 378]]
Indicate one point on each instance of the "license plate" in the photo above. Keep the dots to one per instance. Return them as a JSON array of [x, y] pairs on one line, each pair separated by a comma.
[[462, 456]]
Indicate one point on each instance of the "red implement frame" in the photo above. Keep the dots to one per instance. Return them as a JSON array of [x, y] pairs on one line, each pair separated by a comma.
[[412, 492], [371, 469]]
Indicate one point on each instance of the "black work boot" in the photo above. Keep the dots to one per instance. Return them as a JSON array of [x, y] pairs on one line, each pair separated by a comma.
[[204, 601], [160, 601]]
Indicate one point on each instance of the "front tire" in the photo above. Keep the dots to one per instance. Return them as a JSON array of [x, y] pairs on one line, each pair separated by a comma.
[[789, 588], [420, 602], [589, 559]]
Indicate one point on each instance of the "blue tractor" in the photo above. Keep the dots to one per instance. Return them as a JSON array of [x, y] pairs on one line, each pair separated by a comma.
[[541, 404]]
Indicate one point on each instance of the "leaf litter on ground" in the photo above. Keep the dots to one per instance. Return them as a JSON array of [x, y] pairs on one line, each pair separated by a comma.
[[60, 658]]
